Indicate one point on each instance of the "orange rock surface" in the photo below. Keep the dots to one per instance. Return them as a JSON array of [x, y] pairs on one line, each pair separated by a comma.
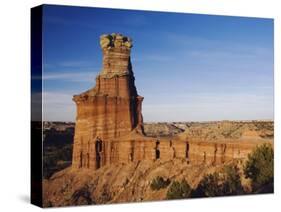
[[111, 109], [109, 123]]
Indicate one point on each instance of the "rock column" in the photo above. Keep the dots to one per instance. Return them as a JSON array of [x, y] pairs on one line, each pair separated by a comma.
[[110, 109]]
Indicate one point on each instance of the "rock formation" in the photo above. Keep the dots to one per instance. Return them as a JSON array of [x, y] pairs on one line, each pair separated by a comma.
[[109, 124], [113, 161], [112, 108]]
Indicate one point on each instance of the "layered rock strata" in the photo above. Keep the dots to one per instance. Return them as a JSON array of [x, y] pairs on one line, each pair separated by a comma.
[[109, 110], [109, 123]]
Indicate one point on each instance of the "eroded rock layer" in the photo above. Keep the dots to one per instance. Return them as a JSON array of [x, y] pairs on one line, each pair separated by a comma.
[[109, 110], [109, 124]]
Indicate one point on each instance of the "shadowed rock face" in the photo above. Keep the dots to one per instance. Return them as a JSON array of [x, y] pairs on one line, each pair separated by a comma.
[[110, 109]]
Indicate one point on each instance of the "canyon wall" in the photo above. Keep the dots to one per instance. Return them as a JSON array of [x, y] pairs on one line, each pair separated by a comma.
[[194, 151], [109, 123]]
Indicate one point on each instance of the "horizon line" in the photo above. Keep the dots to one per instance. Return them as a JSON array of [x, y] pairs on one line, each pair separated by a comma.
[[222, 120]]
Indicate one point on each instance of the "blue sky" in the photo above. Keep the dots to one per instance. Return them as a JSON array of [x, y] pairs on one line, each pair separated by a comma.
[[188, 67]]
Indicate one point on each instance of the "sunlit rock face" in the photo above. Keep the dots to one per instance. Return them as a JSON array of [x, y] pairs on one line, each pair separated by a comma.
[[110, 109], [109, 123]]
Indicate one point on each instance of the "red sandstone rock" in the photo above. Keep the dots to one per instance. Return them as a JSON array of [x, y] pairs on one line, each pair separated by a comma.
[[109, 124], [112, 108]]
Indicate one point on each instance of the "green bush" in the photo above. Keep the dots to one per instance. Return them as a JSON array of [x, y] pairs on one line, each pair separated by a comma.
[[227, 182], [259, 168], [179, 190], [159, 183], [209, 186], [232, 181]]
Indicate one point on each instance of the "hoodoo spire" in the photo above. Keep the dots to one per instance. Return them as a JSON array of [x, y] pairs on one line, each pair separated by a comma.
[[112, 108]]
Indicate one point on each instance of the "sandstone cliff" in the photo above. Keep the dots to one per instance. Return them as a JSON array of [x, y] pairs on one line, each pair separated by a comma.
[[112, 108]]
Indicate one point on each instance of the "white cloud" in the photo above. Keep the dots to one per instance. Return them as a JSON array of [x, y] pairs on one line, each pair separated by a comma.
[[68, 76]]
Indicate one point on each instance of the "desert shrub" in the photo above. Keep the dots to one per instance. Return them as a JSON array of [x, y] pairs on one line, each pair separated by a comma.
[[82, 196], [209, 186], [56, 158], [227, 182], [179, 190], [105, 196], [259, 168], [232, 181], [159, 183]]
